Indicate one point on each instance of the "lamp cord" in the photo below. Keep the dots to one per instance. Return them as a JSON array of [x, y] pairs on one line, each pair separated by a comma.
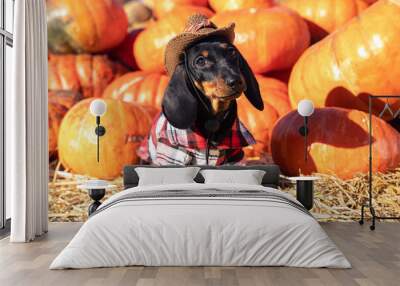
[[98, 144], [305, 138], [98, 137]]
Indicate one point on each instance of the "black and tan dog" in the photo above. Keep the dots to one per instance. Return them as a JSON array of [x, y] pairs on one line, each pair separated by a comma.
[[198, 124]]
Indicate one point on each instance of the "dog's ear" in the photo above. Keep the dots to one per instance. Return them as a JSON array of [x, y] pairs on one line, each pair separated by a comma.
[[252, 91], [179, 104]]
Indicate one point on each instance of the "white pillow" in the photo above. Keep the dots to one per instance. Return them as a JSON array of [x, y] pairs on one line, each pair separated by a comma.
[[248, 177], [163, 176]]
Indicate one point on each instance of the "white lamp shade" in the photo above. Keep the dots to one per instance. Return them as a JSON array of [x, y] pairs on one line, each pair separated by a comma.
[[98, 107], [305, 107]]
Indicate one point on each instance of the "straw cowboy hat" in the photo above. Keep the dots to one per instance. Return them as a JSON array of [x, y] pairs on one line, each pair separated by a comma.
[[198, 27]]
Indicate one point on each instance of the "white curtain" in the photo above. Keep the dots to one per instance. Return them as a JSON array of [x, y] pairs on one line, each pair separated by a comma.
[[26, 124]]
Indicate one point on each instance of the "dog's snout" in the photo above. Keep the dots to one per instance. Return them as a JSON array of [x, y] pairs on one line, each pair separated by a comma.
[[233, 82]]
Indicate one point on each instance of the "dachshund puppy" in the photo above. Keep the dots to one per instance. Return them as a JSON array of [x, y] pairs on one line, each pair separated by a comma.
[[198, 124]]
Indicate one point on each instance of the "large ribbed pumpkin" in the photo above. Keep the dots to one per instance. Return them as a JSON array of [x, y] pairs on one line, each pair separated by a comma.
[[163, 7], [140, 87], [86, 74], [360, 58], [325, 16], [260, 123], [150, 45], [338, 143], [224, 5], [269, 39], [126, 126], [85, 25]]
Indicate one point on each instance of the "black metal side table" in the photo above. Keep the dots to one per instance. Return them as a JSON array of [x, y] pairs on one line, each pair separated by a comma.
[[96, 190], [305, 190]]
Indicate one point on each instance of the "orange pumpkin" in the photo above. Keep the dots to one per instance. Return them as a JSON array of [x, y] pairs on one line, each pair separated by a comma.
[[86, 74], [224, 5], [337, 143], [325, 16], [126, 125], [85, 25], [275, 93], [150, 45], [58, 104], [346, 66], [140, 87], [260, 123], [163, 7], [269, 39]]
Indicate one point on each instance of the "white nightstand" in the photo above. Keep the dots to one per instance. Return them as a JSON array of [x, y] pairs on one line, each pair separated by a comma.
[[305, 190], [96, 190]]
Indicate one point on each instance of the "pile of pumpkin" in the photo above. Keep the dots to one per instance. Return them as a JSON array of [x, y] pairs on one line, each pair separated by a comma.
[[334, 52]]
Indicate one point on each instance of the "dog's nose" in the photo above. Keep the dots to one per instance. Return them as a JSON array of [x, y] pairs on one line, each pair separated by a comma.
[[233, 82]]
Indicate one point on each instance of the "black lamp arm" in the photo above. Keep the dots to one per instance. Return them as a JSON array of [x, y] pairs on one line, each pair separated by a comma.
[[303, 130], [100, 131]]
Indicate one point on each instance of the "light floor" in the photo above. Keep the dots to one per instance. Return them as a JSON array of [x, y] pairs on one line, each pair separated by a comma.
[[375, 257]]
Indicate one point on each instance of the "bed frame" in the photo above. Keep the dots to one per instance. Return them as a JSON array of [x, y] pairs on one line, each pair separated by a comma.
[[271, 177]]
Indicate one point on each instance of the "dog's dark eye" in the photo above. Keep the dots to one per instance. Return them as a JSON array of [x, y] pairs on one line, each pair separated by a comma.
[[200, 61]]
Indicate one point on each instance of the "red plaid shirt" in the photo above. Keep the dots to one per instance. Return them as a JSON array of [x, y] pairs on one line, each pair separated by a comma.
[[167, 145]]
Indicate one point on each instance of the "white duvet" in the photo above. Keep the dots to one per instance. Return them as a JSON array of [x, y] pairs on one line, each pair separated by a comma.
[[188, 231]]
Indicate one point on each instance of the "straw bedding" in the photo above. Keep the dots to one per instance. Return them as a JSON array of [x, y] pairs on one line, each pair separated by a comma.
[[334, 199]]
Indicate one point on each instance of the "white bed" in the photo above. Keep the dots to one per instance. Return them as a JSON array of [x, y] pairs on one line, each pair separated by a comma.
[[201, 224]]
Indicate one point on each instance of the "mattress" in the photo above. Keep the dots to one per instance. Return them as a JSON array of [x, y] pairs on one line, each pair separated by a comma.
[[201, 225]]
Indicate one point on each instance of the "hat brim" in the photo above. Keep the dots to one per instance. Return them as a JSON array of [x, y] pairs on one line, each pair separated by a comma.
[[178, 44]]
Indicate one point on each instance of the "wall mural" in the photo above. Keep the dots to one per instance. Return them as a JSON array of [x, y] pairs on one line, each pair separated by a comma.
[[335, 53]]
